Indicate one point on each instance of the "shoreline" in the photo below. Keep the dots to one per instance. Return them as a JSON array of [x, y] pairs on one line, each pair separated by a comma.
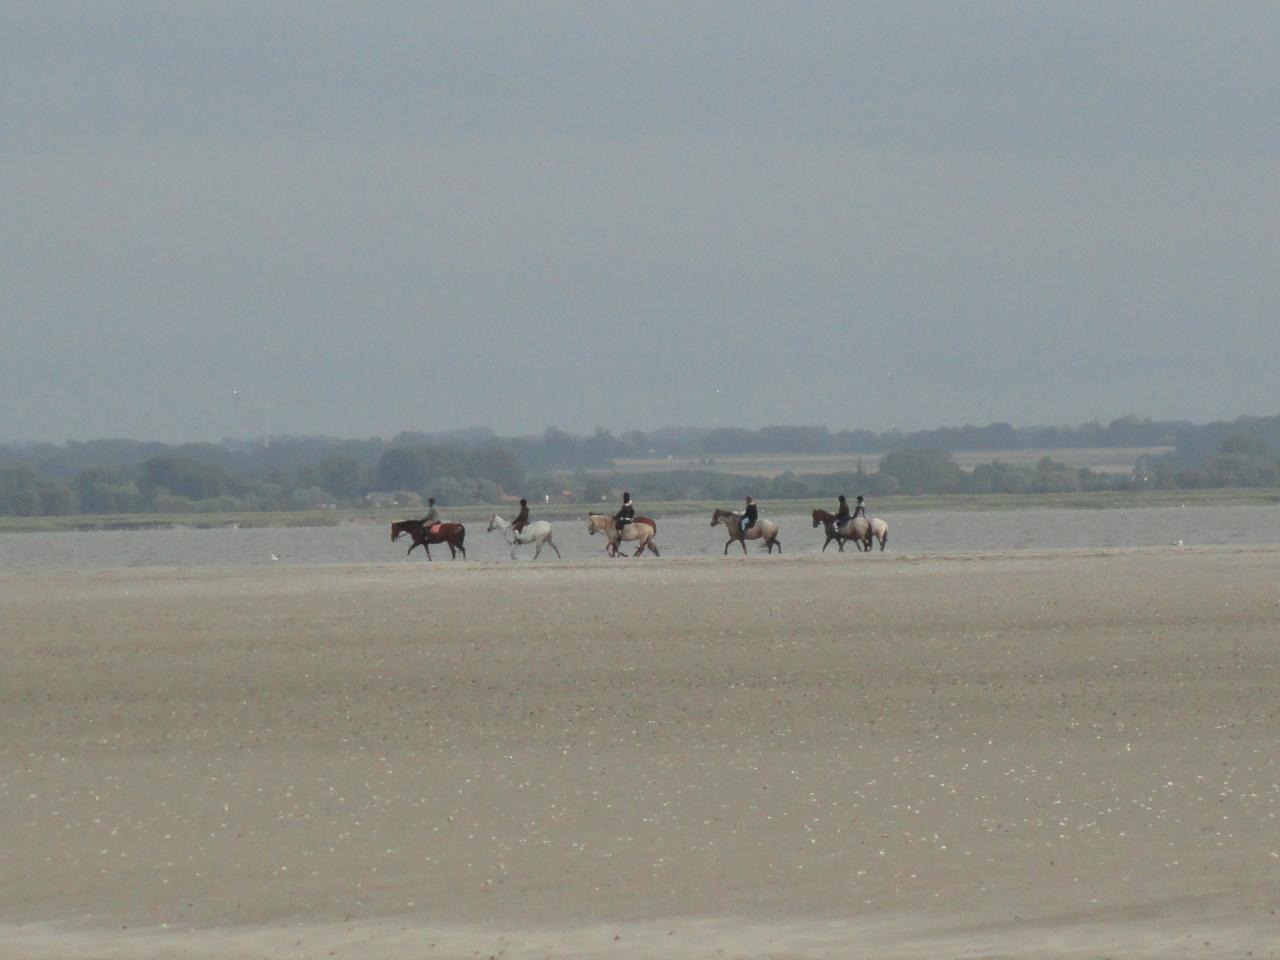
[[1226, 497]]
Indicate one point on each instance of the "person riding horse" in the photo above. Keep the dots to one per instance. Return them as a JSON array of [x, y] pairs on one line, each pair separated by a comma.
[[521, 519], [432, 516], [842, 513], [749, 517], [860, 510], [625, 515]]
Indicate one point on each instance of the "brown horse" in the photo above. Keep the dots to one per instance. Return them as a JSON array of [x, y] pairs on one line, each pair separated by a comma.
[[828, 520], [448, 533]]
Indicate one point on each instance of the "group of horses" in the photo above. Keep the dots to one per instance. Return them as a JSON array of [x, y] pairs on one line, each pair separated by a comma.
[[859, 531]]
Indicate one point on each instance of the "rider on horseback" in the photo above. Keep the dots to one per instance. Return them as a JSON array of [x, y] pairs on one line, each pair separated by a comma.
[[625, 515], [842, 513], [431, 516], [749, 517], [861, 509], [521, 519]]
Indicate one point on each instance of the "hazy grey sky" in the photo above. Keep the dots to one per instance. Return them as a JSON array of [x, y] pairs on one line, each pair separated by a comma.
[[371, 217]]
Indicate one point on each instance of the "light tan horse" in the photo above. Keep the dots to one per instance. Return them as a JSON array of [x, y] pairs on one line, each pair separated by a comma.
[[765, 530], [641, 529], [862, 531], [877, 530]]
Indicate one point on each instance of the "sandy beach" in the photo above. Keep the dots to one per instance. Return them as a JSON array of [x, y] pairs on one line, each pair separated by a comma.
[[1041, 754]]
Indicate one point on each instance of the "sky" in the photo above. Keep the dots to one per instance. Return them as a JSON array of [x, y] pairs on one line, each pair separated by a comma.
[[353, 219]]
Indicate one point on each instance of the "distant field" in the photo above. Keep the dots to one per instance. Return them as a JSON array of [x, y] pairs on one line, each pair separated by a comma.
[[1101, 459]]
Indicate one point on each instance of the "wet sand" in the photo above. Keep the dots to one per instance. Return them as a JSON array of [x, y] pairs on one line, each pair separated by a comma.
[[1035, 755]]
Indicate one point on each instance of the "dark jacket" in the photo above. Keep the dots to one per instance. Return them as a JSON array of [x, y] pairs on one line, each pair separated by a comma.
[[522, 518], [628, 513], [842, 515], [751, 514]]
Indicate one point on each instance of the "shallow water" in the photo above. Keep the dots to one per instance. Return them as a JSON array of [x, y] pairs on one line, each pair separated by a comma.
[[914, 532]]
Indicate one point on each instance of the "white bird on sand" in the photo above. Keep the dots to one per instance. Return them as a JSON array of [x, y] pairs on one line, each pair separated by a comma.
[[274, 557]]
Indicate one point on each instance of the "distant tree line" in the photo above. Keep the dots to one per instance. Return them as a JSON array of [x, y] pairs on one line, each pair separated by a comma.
[[207, 478], [1243, 461], [477, 466]]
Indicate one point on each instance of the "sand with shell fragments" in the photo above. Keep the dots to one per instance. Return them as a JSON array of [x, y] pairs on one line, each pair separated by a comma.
[[1023, 755]]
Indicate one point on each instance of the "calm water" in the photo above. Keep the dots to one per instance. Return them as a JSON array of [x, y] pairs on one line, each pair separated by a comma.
[[922, 532]]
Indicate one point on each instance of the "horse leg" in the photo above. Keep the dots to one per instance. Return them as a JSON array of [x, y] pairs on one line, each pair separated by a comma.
[[553, 546], [743, 541], [652, 546], [726, 546]]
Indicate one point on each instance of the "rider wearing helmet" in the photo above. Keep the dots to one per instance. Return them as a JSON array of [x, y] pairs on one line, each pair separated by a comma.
[[522, 518], [842, 512], [431, 516], [624, 515]]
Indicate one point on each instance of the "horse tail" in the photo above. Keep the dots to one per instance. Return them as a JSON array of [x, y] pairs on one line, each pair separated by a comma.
[[462, 534]]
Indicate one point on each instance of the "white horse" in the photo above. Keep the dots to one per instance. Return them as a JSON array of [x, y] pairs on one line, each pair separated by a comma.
[[765, 530], [641, 529], [538, 533]]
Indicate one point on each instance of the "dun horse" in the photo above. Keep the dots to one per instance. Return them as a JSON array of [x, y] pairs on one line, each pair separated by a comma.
[[452, 534], [765, 530], [641, 529]]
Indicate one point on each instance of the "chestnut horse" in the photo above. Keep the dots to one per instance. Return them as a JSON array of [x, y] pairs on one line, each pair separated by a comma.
[[765, 530], [859, 530], [449, 533], [640, 528], [839, 535]]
